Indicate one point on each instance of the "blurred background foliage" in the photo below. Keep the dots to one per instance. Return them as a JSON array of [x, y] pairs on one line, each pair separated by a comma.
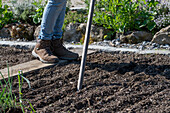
[[119, 16]]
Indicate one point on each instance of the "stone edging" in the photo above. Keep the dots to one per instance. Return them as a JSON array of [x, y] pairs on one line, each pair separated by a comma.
[[30, 45]]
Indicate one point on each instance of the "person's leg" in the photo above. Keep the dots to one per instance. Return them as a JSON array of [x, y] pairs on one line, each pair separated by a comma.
[[57, 30], [53, 19], [43, 48]]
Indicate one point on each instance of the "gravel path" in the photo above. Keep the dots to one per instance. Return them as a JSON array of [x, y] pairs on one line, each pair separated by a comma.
[[102, 46]]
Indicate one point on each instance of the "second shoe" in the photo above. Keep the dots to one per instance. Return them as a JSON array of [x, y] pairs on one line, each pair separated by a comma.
[[61, 52]]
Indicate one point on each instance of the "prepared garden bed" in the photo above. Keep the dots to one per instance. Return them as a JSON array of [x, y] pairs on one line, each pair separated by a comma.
[[13, 56], [113, 82]]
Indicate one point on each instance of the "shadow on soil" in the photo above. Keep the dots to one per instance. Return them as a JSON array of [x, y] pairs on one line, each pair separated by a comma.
[[123, 68]]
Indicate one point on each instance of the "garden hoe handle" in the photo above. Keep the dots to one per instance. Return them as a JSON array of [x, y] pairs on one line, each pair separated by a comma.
[[86, 42]]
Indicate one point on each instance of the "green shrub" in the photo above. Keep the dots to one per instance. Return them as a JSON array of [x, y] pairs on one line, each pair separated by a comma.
[[23, 11], [39, 6], [6, 16], [125, 15], [75, 17]]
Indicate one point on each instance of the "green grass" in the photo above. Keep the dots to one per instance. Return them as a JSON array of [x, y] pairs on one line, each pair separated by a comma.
[[8, 99]]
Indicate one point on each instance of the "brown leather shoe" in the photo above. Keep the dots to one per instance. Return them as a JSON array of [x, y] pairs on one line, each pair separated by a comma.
[[43, 51], [61, 52]]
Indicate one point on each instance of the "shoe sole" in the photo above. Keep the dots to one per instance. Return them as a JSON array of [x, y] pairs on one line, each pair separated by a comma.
[[37, 56]]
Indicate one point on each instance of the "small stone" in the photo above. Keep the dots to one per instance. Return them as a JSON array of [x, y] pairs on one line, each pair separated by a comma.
[[111, 44], [117, 43], [150, 43], [60, 83], [50, 105], [18, 40], [147, 43], [167, 45], [47, 97], [154, 44], [161, 46], [94, 43], [144, 43], [71, 82], [106, 41], [134, 46], [98, 43], [128, 45], [113, 41], [151, 47], [72, 42], [141, 48]]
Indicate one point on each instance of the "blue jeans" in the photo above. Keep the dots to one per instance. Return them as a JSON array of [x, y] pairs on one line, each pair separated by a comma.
[[52, 20]]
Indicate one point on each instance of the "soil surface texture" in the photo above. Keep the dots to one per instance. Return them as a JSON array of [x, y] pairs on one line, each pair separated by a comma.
[[113, 82], [13, 56]]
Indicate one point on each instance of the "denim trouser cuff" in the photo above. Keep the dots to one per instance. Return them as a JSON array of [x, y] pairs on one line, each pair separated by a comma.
[[45, 38]]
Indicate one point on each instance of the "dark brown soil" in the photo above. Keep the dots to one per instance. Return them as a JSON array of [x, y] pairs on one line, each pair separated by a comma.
[[13, 56], [13, 110], [113, 82]]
